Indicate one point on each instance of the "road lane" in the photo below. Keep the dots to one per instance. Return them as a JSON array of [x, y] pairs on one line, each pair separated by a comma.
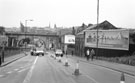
[[48, 70], [101, 74], [16, 71], [28, 77], [97, 73]]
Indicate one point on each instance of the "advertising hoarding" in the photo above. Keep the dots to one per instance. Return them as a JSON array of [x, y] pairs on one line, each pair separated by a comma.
[[69, 39], [3, 40], [109, 39]]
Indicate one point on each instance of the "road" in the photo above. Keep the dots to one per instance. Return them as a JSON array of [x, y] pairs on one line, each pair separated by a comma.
[[45, 69]]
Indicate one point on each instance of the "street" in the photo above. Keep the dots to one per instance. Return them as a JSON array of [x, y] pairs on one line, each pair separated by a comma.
[[46, 69]]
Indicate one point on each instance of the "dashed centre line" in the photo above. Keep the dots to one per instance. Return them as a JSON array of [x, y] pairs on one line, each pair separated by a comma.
[[9, 72], [16, 69], [28, 77], [1, 76], [23, 69]]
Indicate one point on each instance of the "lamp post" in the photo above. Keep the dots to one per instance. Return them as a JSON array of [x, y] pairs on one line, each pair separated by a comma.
[[97, 25], [25, 33]]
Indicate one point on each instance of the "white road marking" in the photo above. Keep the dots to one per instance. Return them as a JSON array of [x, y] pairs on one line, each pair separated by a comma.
[[22, 67], [23, 70], [25, 66], [1, 75], [9, 72], [91, 78], [28, 77], [16, 69]]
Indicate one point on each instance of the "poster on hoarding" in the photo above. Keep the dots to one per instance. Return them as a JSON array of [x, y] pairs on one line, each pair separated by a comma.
[[69, 39], [3, 40], [108, 39]]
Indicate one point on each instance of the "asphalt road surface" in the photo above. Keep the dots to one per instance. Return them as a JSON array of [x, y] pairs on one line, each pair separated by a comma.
[[46, 69]]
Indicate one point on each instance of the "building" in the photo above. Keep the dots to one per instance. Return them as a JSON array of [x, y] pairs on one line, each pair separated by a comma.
[[80, 48]]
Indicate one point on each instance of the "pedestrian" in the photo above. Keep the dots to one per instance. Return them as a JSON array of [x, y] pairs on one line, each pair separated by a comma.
[[92, 54], [88, 54], [72, 52], [0, 60], [66, 52], [3, 54], [63, 52]]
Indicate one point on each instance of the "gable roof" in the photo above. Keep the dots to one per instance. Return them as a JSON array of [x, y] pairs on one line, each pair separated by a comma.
[[105, 25]]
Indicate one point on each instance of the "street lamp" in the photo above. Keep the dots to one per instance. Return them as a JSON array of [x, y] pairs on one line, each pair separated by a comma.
[[25, 32]]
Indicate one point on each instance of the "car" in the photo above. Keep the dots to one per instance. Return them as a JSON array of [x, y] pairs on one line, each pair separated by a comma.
[[58, 52], [39, 52], [32, 51]]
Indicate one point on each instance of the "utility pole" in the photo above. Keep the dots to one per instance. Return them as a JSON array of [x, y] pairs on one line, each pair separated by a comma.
[[97, 26]]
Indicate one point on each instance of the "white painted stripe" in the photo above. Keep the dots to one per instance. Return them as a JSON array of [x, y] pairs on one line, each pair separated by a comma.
[[23, 70], [29, 74], [25, 66], [16, 69], [1, 75], [9, 72], [91, 78], [22, 67]]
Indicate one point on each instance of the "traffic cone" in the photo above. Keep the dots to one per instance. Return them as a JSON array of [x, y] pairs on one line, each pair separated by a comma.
[[76, 72], [54, 57], [122, 80], [59, 59], [66, 62]]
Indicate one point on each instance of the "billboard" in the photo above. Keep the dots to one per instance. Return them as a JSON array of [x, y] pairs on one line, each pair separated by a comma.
[[3, 40], [109, 39], [69, 39]]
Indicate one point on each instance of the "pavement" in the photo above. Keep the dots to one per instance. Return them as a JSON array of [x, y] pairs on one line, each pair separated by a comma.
[[8, 60], [127, 69]]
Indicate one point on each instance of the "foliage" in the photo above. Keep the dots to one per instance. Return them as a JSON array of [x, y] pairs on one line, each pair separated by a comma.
[[73, 31], [2, 29], [129, 60], [132, 36]]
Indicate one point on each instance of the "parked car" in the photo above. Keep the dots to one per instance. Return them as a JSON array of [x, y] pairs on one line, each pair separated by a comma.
[[58, 52]]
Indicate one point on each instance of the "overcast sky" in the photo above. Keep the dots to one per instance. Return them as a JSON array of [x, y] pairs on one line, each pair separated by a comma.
[[66, 13]]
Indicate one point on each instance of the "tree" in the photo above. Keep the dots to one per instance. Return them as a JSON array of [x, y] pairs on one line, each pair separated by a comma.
[[73, 31], [2, 30]]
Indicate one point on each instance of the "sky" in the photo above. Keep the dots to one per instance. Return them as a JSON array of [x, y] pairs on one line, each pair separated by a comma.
[[66, 13]]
